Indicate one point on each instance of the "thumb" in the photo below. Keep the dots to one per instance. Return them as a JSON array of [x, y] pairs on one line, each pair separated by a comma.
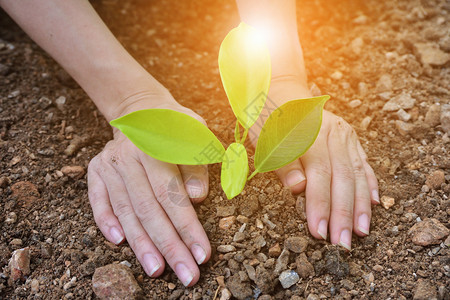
[[293, 176]]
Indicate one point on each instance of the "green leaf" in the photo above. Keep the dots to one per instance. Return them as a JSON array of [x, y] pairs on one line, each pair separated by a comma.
[[288, 133], [244, 64], [171, 136], [234, 170]]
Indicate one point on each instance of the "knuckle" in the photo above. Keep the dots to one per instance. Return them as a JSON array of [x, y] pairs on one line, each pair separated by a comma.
[[145, 210], [102, 219], [343, 213], [358, 167], [184, 230], [139, 241], [321, 169], [168, 249], [161, 192], [345, 172], [122, 210]]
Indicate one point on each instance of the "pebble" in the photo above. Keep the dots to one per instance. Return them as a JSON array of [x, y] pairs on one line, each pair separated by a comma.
[[424, 290], [25, 192], [433, 115], [365, 123], [275, 250], [259, 242], [225, 294], [240, 290], [226, 223], [430, 54], [242, 219], [356, 45], [428, 232], [435, 179], [282, 261], [445, 118], [296, 244], [19, 264], [16, 242], [60, 102], [368, 278], [226, 248], [354, 103], [76, 143], [401, 101], [304, 268], [74, 172], [4, 181], [171, 286], [70, 284], [259, 224], [239, 237], [387, 202], [360, 20], [337, 75], [377, 268], [264, 281], [220, 281], [384, 84], [315, 90], [363, 90], [403, 127], [12, 218], [403, 115], [34, 286], [225, 211], [288, 278], [115, 281]]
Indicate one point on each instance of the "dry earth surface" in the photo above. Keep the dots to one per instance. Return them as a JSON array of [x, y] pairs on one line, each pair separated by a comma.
[[386, 66]]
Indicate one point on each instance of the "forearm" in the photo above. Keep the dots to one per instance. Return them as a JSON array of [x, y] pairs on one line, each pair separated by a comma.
[[277, 19], [75, 36]]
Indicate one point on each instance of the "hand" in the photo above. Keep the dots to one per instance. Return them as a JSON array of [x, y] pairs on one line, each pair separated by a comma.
[[146, 201], [340, 184]]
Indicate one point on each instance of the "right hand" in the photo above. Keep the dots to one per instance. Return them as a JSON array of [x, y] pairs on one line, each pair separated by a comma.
[[148, 202]]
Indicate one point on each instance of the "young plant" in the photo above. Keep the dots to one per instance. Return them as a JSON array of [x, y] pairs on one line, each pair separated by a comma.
[[245, 70]]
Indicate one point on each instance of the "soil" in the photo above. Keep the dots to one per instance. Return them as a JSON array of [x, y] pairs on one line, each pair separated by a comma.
[[369, 51]]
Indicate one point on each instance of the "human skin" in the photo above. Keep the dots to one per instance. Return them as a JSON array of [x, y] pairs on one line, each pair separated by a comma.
[[130, 200]]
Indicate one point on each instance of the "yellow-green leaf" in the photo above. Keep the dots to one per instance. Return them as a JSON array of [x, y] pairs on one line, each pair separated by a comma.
[[288, 133], [171, 136], [244, 64], [234, 170]]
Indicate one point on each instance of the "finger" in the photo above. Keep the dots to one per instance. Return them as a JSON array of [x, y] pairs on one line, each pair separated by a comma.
[[342, 184], [196, 181], [370, 174], [169, 190], [293, 176], [145, 250], [101, 208], [361, 209], [318, 171]]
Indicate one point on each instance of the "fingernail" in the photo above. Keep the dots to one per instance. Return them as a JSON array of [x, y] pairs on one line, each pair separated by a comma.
[[346, 239], [151, 264], [199, 253], [184, 274], [195, 188], [294, 177], [364, 223], [116, 236], [322, 229], [375, 196]]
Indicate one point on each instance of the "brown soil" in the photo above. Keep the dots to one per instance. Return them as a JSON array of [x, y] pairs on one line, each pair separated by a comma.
[[178, 42]]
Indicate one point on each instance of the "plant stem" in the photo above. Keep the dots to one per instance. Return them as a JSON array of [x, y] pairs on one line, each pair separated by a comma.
[[244, 136], [237, 132], [253, 174]]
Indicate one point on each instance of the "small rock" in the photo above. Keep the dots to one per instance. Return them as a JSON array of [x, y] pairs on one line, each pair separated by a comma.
[[435, 180], [225, 248], [70, 284], [432, 118], [240, 290], [19, 264], [354, 103], [333, 263], [75, 172], [425, 290], [171, 286], [259, 224], [220, 281], [403, 115], [11, 219], [356, 45], [226, 223], [16, 242], [282, 262], [76, 143], [249, 207], [315, 90], [296, 244], [259, 242], [288, 278], [225, 211], [263, 280], [368, 278], [445, 118], [377, 268], [115, 281], [404, 128], [60, 102], [384, 84], [275, 250], [430, 54], [4, 182], [34, 286], [363, 90], [225, 294], [402, 101], [387, 202], [304, 268], [239, 237], [360, 20], [337, 75], [25, 192], [428, 232], [365, 123]]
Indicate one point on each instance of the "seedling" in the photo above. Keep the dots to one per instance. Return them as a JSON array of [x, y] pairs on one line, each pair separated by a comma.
[[245, 70]]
